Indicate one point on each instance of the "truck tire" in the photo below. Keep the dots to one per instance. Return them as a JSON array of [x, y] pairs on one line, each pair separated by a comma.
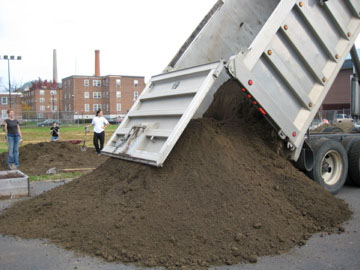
[[332, 129], [354, 163], [348, 142], [330, 164]]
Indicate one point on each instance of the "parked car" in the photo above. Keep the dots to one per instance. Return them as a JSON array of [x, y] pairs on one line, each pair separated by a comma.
[[317, 123], [115, 120], [342, 117], [48, 122]]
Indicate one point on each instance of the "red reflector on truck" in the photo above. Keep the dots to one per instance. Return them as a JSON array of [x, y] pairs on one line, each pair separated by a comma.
[[250, 82], [262, 111]]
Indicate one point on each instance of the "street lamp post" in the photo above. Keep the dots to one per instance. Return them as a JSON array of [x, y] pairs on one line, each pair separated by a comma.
[[8, 58]]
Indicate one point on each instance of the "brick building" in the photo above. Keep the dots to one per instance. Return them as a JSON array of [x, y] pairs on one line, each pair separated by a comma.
[[339, 96], [5, 105], [44, 98], [114, 94]]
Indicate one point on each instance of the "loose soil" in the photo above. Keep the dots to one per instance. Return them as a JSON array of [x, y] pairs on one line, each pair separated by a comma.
[[36, 159], [345, 126], [10, 175], [224, 196]]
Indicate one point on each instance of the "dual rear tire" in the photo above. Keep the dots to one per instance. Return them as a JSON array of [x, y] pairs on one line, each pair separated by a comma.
[[330, 164], [336, 163]]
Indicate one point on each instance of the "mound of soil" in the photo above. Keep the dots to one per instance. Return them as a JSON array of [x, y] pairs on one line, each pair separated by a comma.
[[345, 126], [223, 197], [36, 159]]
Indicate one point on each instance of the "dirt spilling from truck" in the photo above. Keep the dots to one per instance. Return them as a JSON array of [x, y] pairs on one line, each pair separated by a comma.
[[224, 196], [36, 159]]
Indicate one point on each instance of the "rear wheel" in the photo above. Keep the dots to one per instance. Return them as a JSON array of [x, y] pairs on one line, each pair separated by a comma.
[[348, 142], [330, 164], [354, 163]]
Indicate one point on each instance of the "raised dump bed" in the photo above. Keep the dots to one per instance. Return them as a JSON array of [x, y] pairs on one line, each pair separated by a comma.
[[14, 184], [284, 53]]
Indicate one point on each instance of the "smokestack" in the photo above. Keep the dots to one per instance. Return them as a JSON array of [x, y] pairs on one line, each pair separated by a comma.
[[97, 62], [54, 66]]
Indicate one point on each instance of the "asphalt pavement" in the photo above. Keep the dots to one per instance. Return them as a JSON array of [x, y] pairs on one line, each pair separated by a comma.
[[335, 251]]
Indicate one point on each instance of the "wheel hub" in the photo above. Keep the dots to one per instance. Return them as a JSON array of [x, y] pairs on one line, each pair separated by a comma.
[[331, 167]]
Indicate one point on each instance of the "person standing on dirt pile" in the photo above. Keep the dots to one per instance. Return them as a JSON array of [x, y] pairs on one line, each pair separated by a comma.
[[100, 124], [55, 133], [14, 137]]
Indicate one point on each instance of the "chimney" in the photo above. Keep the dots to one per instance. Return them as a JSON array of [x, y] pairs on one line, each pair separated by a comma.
[[97, 62], [54, 66]]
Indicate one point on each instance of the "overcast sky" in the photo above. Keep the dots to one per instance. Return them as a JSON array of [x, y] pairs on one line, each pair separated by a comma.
[[135, 37]]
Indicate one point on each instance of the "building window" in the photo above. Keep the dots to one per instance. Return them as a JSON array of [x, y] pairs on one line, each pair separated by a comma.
[[4, 114], [42, 108], [96, 95], [4, 100], [136, 95], [42, 100], [118, 82], [53, 99], [118, 107], [107, 94], [69, 107], [86, 94], [136, 83], [86, 82], [97, 83], [107, 107], [96, 107], [42, 92], [118, 94], [54, 108], [53, 92], [87, 107]]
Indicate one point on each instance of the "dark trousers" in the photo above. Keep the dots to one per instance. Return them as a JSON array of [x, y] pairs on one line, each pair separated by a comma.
[[99, 137]]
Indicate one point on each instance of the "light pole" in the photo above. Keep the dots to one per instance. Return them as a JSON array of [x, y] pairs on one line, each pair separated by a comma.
[[8, 58]]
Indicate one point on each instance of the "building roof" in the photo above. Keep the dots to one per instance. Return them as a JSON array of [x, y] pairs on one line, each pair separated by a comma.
[[12, 93], [93, 76]]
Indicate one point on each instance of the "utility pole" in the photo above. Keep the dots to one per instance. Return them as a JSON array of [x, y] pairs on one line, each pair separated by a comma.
[[8, 58]]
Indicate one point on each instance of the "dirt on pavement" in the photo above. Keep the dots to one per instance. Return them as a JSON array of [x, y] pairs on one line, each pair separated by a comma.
[[36, 159], [224, 196]]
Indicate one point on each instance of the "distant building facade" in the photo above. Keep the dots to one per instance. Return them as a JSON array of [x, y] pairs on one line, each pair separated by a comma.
[[5, 105], [339, 95], [115, 94], [43, 98]]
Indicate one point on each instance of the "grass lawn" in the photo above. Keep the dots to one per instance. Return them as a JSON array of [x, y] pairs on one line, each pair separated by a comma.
[[42, 134], [55, 176]]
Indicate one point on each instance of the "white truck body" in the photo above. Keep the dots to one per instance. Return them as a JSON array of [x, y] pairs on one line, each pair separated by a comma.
[[284, 53]]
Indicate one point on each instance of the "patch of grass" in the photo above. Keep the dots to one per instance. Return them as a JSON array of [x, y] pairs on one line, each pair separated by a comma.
[[55, 176], [42, 134]]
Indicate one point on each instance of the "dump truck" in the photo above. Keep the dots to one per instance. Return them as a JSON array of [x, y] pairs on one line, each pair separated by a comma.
[[284, 54]]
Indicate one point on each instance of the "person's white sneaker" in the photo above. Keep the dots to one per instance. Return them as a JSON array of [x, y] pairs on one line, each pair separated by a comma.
[[12, 166]]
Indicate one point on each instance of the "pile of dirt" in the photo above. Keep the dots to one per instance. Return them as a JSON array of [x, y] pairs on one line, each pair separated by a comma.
[[223, 197], [345, 126], [36, 159]]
